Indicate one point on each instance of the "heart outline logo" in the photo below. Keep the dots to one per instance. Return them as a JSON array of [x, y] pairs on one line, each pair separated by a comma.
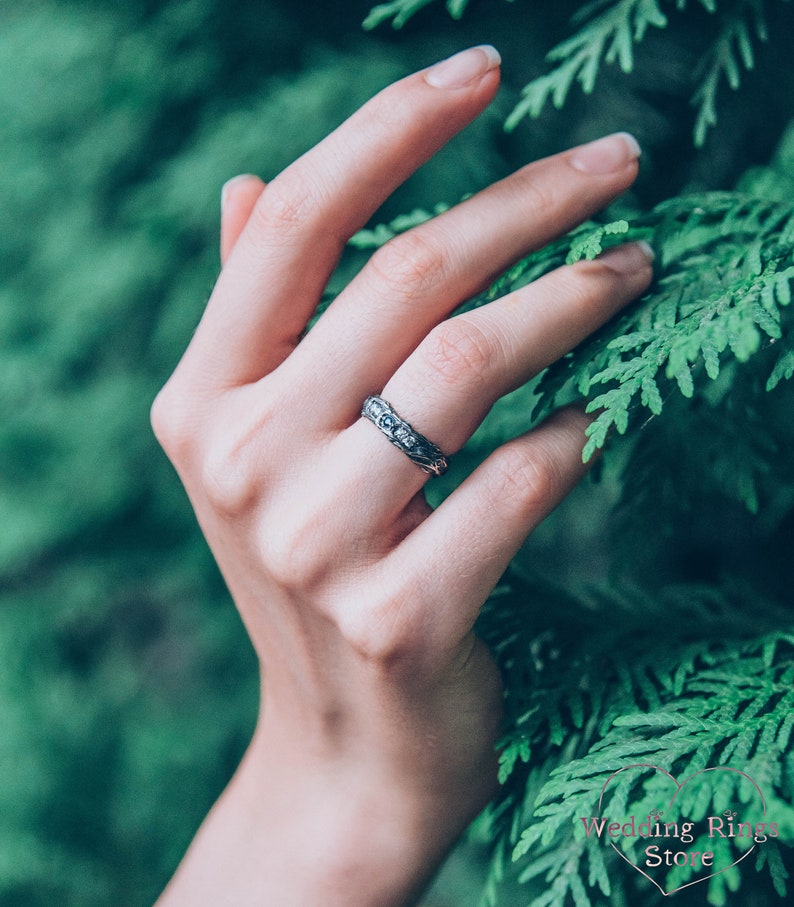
[[678, 788]]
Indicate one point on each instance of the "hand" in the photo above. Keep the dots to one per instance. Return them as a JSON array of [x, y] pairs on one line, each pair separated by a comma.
[[380, 707]]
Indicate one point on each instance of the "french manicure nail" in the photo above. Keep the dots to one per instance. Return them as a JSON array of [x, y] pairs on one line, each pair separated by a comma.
[[628, 258], [464, 67], [606, 155]]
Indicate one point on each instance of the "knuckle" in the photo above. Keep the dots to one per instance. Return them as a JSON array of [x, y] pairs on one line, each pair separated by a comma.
[[173, 422], [458, 350], [159, 417], [530, 476], [287, 206], [580, 286], [227, 482], [539, 189], [408, 266], [293, 553], [233, 469], [377, 633], [390, 109]]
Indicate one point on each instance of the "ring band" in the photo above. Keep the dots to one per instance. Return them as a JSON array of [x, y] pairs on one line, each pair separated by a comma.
[[416, 447]]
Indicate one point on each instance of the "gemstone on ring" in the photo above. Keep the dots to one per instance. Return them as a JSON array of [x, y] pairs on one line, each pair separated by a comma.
[[414, 445]]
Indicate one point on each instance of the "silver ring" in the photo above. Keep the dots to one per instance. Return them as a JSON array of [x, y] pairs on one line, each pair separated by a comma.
[[416, 447]]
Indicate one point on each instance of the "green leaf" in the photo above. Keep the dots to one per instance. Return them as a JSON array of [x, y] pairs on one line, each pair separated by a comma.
[[399, 11], [607, 37]]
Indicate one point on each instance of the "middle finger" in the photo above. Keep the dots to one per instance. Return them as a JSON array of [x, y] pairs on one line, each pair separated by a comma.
[[417, 279], [448, 385]]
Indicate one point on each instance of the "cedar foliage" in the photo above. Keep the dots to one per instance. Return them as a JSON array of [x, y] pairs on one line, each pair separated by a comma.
[[127, 689], [675, 674]]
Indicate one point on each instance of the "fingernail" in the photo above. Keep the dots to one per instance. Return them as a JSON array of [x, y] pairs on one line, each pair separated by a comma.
[[229, 185], [628, 258], [606, 155], [464, 67]]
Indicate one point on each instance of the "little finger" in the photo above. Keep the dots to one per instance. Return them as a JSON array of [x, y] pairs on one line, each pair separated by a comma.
[[461, 550]]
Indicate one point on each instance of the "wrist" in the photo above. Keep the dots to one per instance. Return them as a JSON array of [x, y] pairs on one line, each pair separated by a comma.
[[299, 831], [348, 830]]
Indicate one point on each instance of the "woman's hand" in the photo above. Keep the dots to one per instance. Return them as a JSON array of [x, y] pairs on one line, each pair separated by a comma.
[[380, 707]]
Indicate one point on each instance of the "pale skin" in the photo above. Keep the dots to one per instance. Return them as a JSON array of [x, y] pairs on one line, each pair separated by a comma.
[[380, 708]]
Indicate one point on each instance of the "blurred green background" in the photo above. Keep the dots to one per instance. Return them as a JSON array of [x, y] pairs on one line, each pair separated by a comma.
[[127, 686]]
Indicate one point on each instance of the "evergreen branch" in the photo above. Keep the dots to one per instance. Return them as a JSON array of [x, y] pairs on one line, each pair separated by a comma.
[[723, 283], [683, 704], [400, 11], [590, 244], [682, 330], [609, 37], [382, 233], [731, 50]]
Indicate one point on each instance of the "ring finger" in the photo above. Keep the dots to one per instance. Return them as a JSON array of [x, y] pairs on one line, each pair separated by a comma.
[[446, 387]]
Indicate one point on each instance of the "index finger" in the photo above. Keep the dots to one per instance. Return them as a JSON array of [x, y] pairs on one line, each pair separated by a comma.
[[300, 224]]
